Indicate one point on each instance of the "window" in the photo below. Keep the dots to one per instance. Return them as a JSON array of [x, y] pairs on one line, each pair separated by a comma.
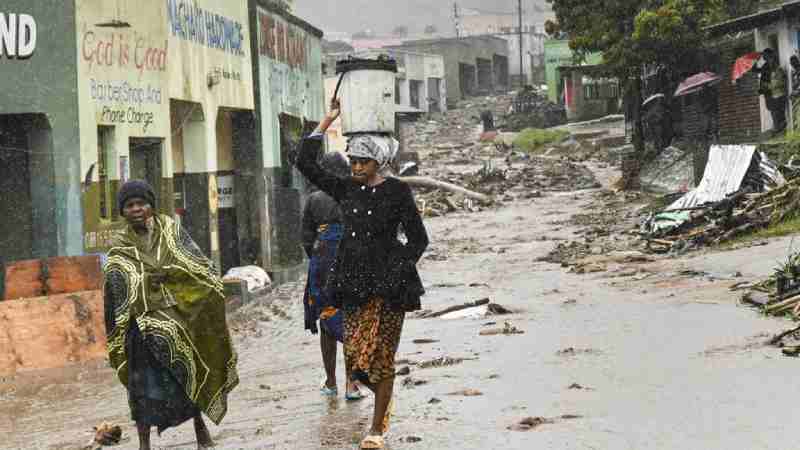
[[104, 141], [397, 91]]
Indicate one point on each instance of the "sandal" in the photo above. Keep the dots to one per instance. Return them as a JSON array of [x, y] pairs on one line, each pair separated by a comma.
[[372, 443], [327, 391], [354, 395]]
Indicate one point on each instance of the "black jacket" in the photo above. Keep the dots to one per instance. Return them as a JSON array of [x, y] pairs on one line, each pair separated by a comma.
[[320, 209], [371, 261]]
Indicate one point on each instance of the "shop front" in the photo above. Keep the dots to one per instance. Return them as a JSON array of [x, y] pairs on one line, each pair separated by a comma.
[[39, 157], [290, 101], [124, 109]]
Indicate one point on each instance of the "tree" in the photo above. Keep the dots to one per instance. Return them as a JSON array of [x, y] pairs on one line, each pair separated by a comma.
[[635, 34], [431, 29], [400, 31]]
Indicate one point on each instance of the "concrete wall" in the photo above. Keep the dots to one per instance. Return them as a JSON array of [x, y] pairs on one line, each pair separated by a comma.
[[532, 56], [45, 83], [458, 51], [419, 67], [557, 54], [290, 89]]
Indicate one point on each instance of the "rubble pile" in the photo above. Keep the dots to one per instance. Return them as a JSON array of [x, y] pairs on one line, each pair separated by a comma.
[[605, 229], [531, 109], [741, 191], [450, 150], [718, 222], [779, 295]]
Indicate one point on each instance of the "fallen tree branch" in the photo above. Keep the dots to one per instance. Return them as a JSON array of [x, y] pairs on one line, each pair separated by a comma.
[[777, 339], [436, 184], [468, 305]]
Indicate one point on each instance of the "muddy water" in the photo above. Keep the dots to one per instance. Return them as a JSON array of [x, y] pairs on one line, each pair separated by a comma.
[[668, 361]]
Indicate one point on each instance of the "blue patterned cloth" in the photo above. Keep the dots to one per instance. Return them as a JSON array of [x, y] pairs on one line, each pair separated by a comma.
[[317, 303]]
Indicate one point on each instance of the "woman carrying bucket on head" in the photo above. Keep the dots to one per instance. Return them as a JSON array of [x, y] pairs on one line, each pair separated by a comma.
[[374, 279], [322, 231]]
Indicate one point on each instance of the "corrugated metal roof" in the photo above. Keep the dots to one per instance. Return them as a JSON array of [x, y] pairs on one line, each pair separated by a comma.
[[725, 171], [756, 20]]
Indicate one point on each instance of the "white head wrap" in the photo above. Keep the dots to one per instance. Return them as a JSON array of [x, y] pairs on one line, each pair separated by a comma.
[[382, 149]]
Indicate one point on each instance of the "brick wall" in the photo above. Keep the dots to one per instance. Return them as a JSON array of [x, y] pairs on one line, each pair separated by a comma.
[[739, 107]]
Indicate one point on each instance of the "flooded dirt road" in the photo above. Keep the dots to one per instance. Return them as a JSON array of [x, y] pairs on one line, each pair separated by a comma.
[[657, 355]]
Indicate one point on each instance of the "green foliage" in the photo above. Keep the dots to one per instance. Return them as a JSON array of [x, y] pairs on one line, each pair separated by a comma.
[[532, 140], [792, 147], [634, 33]]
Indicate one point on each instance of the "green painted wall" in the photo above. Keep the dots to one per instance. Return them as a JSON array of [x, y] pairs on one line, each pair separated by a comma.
[[46, 83], [290, 96], [556, 54]]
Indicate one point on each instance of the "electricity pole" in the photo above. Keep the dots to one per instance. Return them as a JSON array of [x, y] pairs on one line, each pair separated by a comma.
[[521, 64], [455, 19]]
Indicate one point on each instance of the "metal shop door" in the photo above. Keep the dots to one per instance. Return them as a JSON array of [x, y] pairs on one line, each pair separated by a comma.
[[16, 219], [228, 226]]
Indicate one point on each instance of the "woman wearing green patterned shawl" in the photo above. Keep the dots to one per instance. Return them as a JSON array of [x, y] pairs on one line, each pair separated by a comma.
[[165, 320]]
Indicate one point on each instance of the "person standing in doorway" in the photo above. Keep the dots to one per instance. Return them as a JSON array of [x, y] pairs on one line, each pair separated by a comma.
[[795, 63], [322, 231], [773, 88], [375, 277], [165, 319]]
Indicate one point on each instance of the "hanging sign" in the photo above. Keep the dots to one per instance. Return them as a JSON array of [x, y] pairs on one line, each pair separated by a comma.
[[225, 186]]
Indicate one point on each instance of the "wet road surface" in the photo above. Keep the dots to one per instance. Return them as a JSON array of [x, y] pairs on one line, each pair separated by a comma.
[[664, 362]]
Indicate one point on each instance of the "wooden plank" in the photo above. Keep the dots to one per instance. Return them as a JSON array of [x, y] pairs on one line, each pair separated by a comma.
[[51, 332], [23, 280], [74, 274], [52, 276]]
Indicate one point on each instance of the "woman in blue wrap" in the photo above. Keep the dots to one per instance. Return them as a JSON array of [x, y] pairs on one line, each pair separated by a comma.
[[322, 231]]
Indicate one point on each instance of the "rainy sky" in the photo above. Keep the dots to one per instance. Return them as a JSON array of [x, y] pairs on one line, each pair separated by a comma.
[[382, 16]]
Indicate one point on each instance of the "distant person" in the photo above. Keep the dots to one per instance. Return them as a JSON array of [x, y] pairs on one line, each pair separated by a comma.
[[773, 88], [795, 62], [168, 341], [322, 231], [375, 277]]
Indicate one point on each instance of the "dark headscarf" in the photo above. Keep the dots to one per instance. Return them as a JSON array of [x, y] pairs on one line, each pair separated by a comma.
[[135, 189]]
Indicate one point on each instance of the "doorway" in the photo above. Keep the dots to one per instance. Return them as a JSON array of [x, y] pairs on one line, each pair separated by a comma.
[[434, 95], [15, 184], [145, 164], [466, 79]]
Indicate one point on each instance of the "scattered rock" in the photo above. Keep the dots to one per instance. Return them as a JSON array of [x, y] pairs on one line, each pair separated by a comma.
[[467, 393], [425, 341], [572, 351], [434, 401], [442, 362], [404, 371], [507, 330], [411, 382], [530, 423], [411, 439], [264, 387], [107, 434]]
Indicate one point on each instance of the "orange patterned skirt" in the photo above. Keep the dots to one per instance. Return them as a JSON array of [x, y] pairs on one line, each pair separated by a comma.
[[371, 337]]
